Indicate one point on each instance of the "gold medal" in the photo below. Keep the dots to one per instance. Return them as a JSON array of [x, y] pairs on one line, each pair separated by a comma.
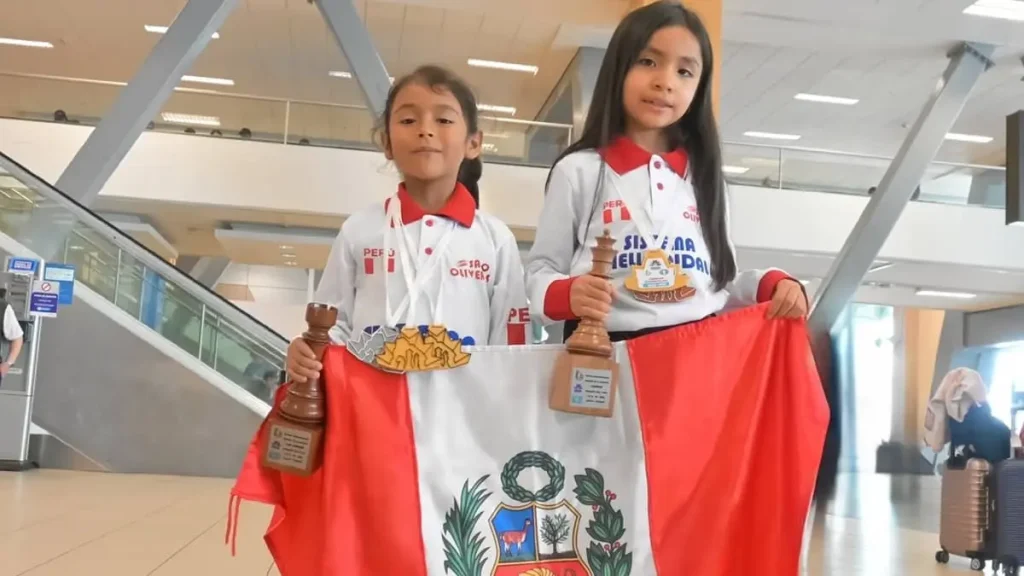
[[658, 280], [417, 351]]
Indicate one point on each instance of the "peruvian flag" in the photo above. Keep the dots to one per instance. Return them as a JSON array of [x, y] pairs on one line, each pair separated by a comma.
[[706, 469]]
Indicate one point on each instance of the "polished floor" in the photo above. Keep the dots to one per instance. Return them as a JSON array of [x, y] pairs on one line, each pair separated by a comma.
[[60, 523]]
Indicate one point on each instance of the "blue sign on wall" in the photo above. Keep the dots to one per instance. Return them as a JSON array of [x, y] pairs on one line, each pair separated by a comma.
[[43, 300], [17, 265], [64, 276]]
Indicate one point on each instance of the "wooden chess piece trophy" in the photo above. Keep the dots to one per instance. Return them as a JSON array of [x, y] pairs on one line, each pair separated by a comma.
[[295, 429], [586, 377]]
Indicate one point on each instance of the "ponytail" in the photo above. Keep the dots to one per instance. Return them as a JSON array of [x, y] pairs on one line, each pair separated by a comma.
[[469, 175]]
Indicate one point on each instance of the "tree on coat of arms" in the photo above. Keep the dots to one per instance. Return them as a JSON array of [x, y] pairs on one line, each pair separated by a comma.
[[536, 536]]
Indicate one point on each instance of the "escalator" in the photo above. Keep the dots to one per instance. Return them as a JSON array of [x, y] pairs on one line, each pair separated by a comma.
[[148, 371]]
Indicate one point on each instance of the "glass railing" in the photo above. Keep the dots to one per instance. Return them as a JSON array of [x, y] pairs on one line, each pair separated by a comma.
[[140, 283], [506, 139], [234, 115], [796, 168]]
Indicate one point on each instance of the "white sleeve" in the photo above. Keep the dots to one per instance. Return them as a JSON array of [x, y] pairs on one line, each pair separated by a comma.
[[12, 329], [743, 289], [510, 316], [554, 244], [338, 286]]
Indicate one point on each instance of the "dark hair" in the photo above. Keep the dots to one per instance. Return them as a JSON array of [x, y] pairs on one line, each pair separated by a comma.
[[696, 131], [436, 77]]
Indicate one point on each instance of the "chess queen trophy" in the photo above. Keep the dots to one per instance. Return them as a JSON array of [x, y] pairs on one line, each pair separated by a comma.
[[586, 376], [295, 428]]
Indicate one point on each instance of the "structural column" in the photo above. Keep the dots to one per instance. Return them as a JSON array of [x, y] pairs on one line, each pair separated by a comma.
[[968, 62], [355, 42], [136, 105]]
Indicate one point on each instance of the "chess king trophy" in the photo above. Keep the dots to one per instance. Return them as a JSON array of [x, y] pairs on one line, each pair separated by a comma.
[[586, 377], [295, 429]]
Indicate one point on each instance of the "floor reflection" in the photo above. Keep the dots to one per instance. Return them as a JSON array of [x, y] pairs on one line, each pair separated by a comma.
[[879, 525]]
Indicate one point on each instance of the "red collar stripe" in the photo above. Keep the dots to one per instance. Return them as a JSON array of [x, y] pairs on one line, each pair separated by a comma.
[[623, 156], [460, 207]]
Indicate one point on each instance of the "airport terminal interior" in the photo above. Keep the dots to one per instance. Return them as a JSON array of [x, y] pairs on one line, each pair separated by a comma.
[[174, 174]]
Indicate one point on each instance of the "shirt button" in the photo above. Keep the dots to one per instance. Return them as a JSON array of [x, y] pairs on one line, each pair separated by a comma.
[[429, 222], [428, 250], [657, 165], [661, 186]]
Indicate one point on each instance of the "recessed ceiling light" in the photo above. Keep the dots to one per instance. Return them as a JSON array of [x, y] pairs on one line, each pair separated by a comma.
[[286, 247], [1002, 9], [490, 147], [771, 135], [511, 66], [969, 138], [176, 118], [288, 255], [25, 43], [343, 74], [511, 110], [735, 169], [826, 99], [290, 263], [208, 80], [163, 30], [944, 294]]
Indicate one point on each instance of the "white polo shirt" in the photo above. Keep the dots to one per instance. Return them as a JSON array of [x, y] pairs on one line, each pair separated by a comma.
[[12, 328], [474, 285], [637, 185]]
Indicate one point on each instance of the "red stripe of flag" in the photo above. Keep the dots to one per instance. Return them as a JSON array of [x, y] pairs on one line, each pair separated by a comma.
[[516, 334], [391, 265], [607, 216], [368, 266], [624, 213]]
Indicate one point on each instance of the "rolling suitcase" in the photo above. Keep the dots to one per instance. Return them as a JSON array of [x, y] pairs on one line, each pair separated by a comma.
[[1008, 512], [964, 518]]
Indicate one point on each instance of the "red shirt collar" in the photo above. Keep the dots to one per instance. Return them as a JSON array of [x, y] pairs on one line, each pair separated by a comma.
[[460, 206], [623, 155]]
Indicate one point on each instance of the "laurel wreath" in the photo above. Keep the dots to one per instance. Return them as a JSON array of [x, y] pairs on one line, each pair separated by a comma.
[[464, 551], [524, 460], [606, 555]]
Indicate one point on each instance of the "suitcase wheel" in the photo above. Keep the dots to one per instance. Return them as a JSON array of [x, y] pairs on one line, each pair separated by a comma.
[[977, 564], [942, 557]]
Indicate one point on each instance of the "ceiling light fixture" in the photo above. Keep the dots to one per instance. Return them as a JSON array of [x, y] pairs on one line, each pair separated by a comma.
[[771, 135], [288, 255], [176, 118], [490, 147], [163, 30], [286, 247], [1002, 9], [735, 169], [944, 294], [511, 66], [347, 75], [290, 263], [25, 43], [208, 80], [968, 138], [510, 110], [826, 99]]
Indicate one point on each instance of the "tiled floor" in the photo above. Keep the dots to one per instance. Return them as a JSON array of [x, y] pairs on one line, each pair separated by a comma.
[[58, 523]]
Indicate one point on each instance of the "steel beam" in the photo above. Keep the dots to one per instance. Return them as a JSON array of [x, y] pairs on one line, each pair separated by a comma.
[[136, 105], [967, 63], [355, 42], [1015, 168]]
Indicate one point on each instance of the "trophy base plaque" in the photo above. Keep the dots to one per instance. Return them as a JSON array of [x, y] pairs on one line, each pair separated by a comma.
[[292, 447], [584, 384]]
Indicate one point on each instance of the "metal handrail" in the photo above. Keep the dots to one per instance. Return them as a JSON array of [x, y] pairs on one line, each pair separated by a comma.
[[130, 246], [245, 96], [831, 152]]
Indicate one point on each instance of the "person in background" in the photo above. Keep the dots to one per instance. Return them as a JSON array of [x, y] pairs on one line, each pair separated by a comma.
[[11, 338]]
